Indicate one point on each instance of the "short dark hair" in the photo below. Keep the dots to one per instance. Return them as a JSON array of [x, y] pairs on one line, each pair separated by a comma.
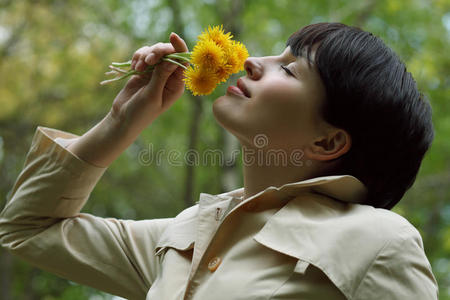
[[371, 95]]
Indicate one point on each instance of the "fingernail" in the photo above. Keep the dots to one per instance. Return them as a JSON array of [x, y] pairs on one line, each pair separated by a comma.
[[151, 58], [138, 65]]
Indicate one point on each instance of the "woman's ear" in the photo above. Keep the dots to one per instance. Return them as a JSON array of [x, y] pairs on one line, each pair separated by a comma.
[[331, 146]]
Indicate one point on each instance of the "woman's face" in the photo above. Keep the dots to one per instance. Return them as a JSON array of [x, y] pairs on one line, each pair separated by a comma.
[[280, 97]]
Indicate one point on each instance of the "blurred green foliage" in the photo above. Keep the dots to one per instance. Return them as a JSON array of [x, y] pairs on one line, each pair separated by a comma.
[[53, 54]]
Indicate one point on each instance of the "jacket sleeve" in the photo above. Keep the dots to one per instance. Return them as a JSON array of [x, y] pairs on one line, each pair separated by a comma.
[[42, 224], [401, 271]]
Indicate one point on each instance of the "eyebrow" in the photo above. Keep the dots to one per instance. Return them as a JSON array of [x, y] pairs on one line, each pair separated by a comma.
[[302, 55], [296, 69]]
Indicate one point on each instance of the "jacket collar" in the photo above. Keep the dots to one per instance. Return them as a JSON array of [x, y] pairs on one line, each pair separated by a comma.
[[182, 231], [313, 226], [343, 188], [320, 225]]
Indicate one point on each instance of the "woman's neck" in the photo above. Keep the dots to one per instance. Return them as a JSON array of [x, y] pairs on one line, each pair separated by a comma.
[[258, 175]]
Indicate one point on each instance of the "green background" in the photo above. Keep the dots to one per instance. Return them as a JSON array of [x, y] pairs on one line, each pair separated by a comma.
[[53, 55]]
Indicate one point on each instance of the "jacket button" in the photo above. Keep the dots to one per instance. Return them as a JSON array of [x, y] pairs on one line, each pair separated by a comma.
[[214, 263], [251, 206]]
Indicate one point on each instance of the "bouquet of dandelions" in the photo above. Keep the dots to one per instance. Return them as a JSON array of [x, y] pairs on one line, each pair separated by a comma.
[[214, 58]]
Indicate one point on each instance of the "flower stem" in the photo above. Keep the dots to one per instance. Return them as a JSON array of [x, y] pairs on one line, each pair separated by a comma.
[[180, 56], [121, 64], [127, 74], [119, 70], [174, 62], [172, 58]]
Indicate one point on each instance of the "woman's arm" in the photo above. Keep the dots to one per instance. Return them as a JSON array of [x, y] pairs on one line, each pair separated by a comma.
[[42, 224], [138, 104], [41, 221]]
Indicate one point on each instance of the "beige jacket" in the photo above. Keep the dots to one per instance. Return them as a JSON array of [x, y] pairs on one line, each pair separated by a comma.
[[304, 240]]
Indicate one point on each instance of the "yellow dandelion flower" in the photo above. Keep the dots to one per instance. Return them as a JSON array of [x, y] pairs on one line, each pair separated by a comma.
[[232, 60], [214, 58], [207, 54], [241, 53], [223, 71], [217, 35], [200, 81]]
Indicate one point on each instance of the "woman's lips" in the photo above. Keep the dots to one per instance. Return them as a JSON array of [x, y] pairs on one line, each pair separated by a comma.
[[240, 89], [241, 85], [235, 90]]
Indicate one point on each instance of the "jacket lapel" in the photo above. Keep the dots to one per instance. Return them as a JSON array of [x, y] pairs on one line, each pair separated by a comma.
[[328, 234], [195, 227], [180, 233]]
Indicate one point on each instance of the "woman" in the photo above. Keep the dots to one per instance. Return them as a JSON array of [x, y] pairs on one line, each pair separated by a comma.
[[317, 228]]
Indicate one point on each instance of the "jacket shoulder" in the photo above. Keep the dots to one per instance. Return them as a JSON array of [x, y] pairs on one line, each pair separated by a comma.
[[341, 239], [383, 223], [400, 269]]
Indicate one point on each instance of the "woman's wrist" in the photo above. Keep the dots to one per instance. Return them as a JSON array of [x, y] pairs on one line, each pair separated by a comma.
[[104, 142]]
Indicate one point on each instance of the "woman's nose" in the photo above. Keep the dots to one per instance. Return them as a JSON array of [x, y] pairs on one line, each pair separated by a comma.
[[253, 68]]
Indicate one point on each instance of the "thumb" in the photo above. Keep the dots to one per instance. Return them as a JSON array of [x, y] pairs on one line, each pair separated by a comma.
[[159, 78]]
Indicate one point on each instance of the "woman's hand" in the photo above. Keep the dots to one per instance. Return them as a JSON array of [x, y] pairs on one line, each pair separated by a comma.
[[146, 96], [139, 103]]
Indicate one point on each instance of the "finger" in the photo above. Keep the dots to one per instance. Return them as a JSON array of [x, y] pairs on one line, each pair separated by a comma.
[[135, 83], [139, 64], [134, 59], [159, 78], [138, 55], [174, 88], [159, 50], [178, 43], [150, 59], [152, 55], [178, 75], [175, 83], [131, 87]]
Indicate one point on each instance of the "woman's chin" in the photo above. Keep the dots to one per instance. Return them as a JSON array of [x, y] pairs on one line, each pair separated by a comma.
[[220, 110], [227, 114]]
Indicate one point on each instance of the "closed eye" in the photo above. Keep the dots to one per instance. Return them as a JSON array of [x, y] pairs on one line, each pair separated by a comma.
[[287, 71]]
